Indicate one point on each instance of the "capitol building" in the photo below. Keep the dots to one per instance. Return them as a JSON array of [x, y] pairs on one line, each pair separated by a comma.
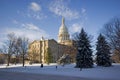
[[39, 49]]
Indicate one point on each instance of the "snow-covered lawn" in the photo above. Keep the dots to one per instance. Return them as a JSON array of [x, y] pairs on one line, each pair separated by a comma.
[[110, 73]]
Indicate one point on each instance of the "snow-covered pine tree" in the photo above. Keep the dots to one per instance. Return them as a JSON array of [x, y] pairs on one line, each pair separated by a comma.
[[103, 52], [84, 55]]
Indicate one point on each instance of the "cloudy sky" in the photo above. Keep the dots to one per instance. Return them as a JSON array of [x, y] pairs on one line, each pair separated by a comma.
[[37, 18]]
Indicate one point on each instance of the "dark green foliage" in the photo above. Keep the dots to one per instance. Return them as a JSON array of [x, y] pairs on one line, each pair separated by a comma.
[[84, 55], [103, 52], [48, 56]]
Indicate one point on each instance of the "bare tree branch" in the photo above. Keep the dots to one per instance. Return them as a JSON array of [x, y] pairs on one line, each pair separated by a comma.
[[112, 33]]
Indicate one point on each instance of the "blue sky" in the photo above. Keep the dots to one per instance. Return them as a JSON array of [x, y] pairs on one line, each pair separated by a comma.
[[36, 18]]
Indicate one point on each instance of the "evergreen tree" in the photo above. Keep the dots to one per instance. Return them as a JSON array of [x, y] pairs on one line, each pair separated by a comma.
[[48, 56], [84, 55], [103, 52]]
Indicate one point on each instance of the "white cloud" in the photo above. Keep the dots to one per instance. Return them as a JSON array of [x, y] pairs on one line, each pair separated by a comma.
[[35, 11], [28, 30], [59, 8], [35, 7], [36, 15], [83, 11], [31, 26], [84, 14], [76, 27], [15, 21]]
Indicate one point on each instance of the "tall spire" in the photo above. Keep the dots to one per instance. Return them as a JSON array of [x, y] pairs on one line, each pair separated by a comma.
[[63, 21]]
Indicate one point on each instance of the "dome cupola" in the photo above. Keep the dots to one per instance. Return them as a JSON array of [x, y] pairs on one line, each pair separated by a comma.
[[63, 32]]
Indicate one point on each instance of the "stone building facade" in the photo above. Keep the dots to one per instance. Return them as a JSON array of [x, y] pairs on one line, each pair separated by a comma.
[[38, 49]]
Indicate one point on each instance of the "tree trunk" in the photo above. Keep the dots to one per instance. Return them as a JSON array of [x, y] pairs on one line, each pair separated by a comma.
[[23, 60], [8, 60], [16, 60]]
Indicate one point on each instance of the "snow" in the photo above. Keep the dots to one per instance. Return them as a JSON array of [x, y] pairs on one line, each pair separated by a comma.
[[105, 73]]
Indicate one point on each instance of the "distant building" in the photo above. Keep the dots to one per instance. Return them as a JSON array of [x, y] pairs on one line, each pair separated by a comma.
[[3, 58], [38, 49], [115, 57]]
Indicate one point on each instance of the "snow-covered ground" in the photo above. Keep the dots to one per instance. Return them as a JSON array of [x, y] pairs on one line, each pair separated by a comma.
[[103, 73]]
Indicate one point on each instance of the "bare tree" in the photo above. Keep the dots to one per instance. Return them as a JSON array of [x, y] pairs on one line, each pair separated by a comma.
[[23, 47], [112, 33], [15, 46], [16, 49], [8, 47]]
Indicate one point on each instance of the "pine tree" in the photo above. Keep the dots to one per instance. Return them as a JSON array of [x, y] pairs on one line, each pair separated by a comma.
[[48, 56], [84, 55], [103, 52]]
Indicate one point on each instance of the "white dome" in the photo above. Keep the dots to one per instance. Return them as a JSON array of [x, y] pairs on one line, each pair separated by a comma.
[[63, 32]]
